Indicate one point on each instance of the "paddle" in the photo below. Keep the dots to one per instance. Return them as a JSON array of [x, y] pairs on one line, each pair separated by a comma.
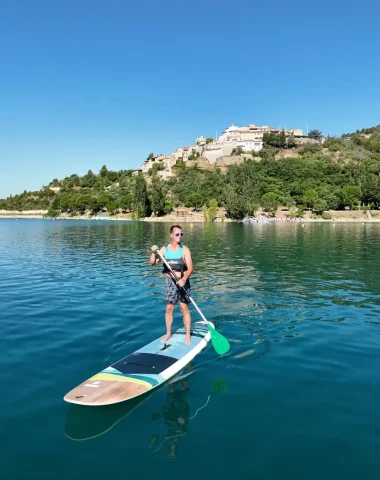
[[219, 385], [219, 342]]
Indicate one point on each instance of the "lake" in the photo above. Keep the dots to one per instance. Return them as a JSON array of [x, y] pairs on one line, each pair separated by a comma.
[[296, 397]]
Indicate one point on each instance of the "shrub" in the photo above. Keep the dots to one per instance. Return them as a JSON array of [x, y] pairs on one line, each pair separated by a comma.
[[52, 213], [327, 215]]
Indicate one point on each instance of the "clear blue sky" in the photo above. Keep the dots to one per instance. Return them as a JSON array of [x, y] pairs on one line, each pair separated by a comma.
[[86, 83]]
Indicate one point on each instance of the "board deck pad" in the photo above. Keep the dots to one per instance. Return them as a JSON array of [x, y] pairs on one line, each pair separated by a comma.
[[141, 371]]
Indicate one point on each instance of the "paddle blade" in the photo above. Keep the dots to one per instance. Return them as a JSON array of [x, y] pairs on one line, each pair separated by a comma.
[[219, 342], [219, 385]]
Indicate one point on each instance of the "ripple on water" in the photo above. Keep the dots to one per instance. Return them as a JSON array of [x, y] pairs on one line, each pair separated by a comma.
[[300, 307]]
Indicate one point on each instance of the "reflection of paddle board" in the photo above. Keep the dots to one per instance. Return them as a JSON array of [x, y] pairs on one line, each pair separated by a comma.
[[141, 371], [87, 423]]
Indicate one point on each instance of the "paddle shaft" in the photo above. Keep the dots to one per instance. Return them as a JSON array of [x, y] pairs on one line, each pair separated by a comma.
[[174, 276]]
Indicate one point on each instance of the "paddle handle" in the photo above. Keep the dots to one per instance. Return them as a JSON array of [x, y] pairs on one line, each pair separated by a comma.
[[174, 276]]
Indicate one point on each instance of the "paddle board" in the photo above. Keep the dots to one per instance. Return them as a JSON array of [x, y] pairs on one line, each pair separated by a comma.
[[87, 423], [141, 371]]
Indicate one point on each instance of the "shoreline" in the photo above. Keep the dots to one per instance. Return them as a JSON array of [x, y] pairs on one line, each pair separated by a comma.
[[187, 219]]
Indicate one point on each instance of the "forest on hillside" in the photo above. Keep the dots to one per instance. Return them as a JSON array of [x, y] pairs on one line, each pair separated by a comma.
[[342, 172]]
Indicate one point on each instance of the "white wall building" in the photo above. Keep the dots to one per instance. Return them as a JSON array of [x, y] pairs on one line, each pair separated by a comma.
[[250, 145], [249, 138]]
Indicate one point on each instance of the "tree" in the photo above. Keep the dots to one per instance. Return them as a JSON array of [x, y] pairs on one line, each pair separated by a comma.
[[194, 155], [126, 202], [351, 195], [237, 151], [288, 201], [104, 199], [112, 207], [270, 202], [371, 189], [157, 196], [332, 201], [315, 134], [274, 140], [103, 171], [254, 207], [210, 211], [320, 205], [309, 198], [89, 180], [81, 202], [93, 205], [140, 205], [155, 168], [55, 205], [291, 142], [65, 203], [168, 205], [151, 155], [209, 140], [194, 200]]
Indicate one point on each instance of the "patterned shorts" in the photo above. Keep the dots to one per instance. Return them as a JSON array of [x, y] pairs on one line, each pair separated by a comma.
[[173, 293]]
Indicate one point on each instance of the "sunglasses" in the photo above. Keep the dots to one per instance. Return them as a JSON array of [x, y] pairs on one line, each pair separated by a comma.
[[178, 234]]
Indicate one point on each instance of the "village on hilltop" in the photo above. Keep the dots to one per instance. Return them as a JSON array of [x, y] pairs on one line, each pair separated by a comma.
[[234, 139]]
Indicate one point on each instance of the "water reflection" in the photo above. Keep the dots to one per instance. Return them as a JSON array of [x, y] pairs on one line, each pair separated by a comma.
[[86, 423], [175, 415]]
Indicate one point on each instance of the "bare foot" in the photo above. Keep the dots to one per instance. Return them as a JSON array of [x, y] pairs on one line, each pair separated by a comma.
[[187, 340], [166, 337]]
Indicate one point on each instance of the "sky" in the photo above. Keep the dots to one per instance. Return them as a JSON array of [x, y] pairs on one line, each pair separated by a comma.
[[87, 83]]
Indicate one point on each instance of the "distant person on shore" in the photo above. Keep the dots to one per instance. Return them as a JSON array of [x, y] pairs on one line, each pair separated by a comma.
[[178, 257]]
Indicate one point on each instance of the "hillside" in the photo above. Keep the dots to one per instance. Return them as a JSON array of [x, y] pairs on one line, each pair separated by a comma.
[[341, 172]]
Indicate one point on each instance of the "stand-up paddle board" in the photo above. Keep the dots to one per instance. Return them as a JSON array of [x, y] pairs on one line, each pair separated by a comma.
[[87, 423], [141, 371]]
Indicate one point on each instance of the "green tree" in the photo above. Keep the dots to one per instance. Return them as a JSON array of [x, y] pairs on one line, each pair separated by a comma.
[[320, 205], [93, 205], [169, 205], [140, 204], [158, 195], [104, 199], [103, 171], [237, 151], [194, 200], [89, 180], [209, 140], [81, 202], [194, 155], [65, 203], [112, 207], [315, 134], [291, 142], [209, 211], [371, 189], [351, 195], [288, 201], [274, 140], [126, 202], [254, 207], [332, 201], [52, 213], [270, 202], [309, 198]]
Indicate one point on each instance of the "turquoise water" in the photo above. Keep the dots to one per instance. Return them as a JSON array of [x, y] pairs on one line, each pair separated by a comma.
[[297, 397]]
